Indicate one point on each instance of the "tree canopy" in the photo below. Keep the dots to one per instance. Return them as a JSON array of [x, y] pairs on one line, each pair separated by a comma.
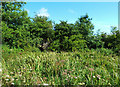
[[21, 31]]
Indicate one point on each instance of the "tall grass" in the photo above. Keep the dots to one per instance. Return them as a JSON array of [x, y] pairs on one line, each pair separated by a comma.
[[91, 67]]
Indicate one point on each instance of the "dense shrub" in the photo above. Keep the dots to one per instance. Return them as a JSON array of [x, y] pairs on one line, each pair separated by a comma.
[[21, 31]]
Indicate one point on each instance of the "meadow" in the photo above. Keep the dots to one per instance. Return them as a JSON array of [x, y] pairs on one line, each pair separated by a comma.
[[41, 51], [86, 67]]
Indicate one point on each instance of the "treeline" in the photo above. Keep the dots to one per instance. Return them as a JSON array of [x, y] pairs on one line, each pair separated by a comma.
[[21, 31]]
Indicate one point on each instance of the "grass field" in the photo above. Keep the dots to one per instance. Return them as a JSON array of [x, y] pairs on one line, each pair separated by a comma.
[[88, 67]]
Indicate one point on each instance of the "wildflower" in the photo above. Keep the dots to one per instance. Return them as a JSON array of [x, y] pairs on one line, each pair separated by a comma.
[[20, 53], [75, 77], [44, 78], [81, 83], [70, 71], [12, 83], [6, 79], [65, 70], [12, 79], [69, 76], [24, 81], [98, 76], [64, 73], [66, 79], [0, 70], [91, 69], [7, 75], [62, 60], [11, 73], [93, 76], [45, 84]]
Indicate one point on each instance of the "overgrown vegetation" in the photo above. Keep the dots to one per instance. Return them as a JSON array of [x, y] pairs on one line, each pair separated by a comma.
[[87, 67], [21, 31], [72, 54]]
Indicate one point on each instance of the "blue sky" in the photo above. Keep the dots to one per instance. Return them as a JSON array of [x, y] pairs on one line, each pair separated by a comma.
[[103, 14]]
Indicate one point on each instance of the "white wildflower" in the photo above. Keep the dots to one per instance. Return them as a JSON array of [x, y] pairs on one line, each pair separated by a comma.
[[75, 77], [6, 79], [45, 84], [7, 75], [12, 83], [0, 70], [66, 79], [93, 76], [69, 75], [24, 81], [81, 83]]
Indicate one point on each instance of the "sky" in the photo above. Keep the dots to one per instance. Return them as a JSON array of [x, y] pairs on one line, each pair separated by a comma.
[[103, 14]]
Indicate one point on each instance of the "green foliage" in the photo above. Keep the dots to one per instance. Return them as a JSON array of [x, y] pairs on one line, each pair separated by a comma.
[[112, 41], [74, 43], [15, 25], [12, 14], [70, 39], [89, 63], [65, 68], [19, 31], [95, 41], [84, 26], [42, 28], [105, 51], [55, 45]]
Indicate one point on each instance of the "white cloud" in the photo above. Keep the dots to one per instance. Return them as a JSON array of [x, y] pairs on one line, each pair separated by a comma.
[[43, 12], [71, 11]]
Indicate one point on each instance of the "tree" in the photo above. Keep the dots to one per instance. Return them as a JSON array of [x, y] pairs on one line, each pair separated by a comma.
[[74, 43], [68, 37], [84, 26], [16, 21], [112, 41], [43, 30], [62, 30]]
